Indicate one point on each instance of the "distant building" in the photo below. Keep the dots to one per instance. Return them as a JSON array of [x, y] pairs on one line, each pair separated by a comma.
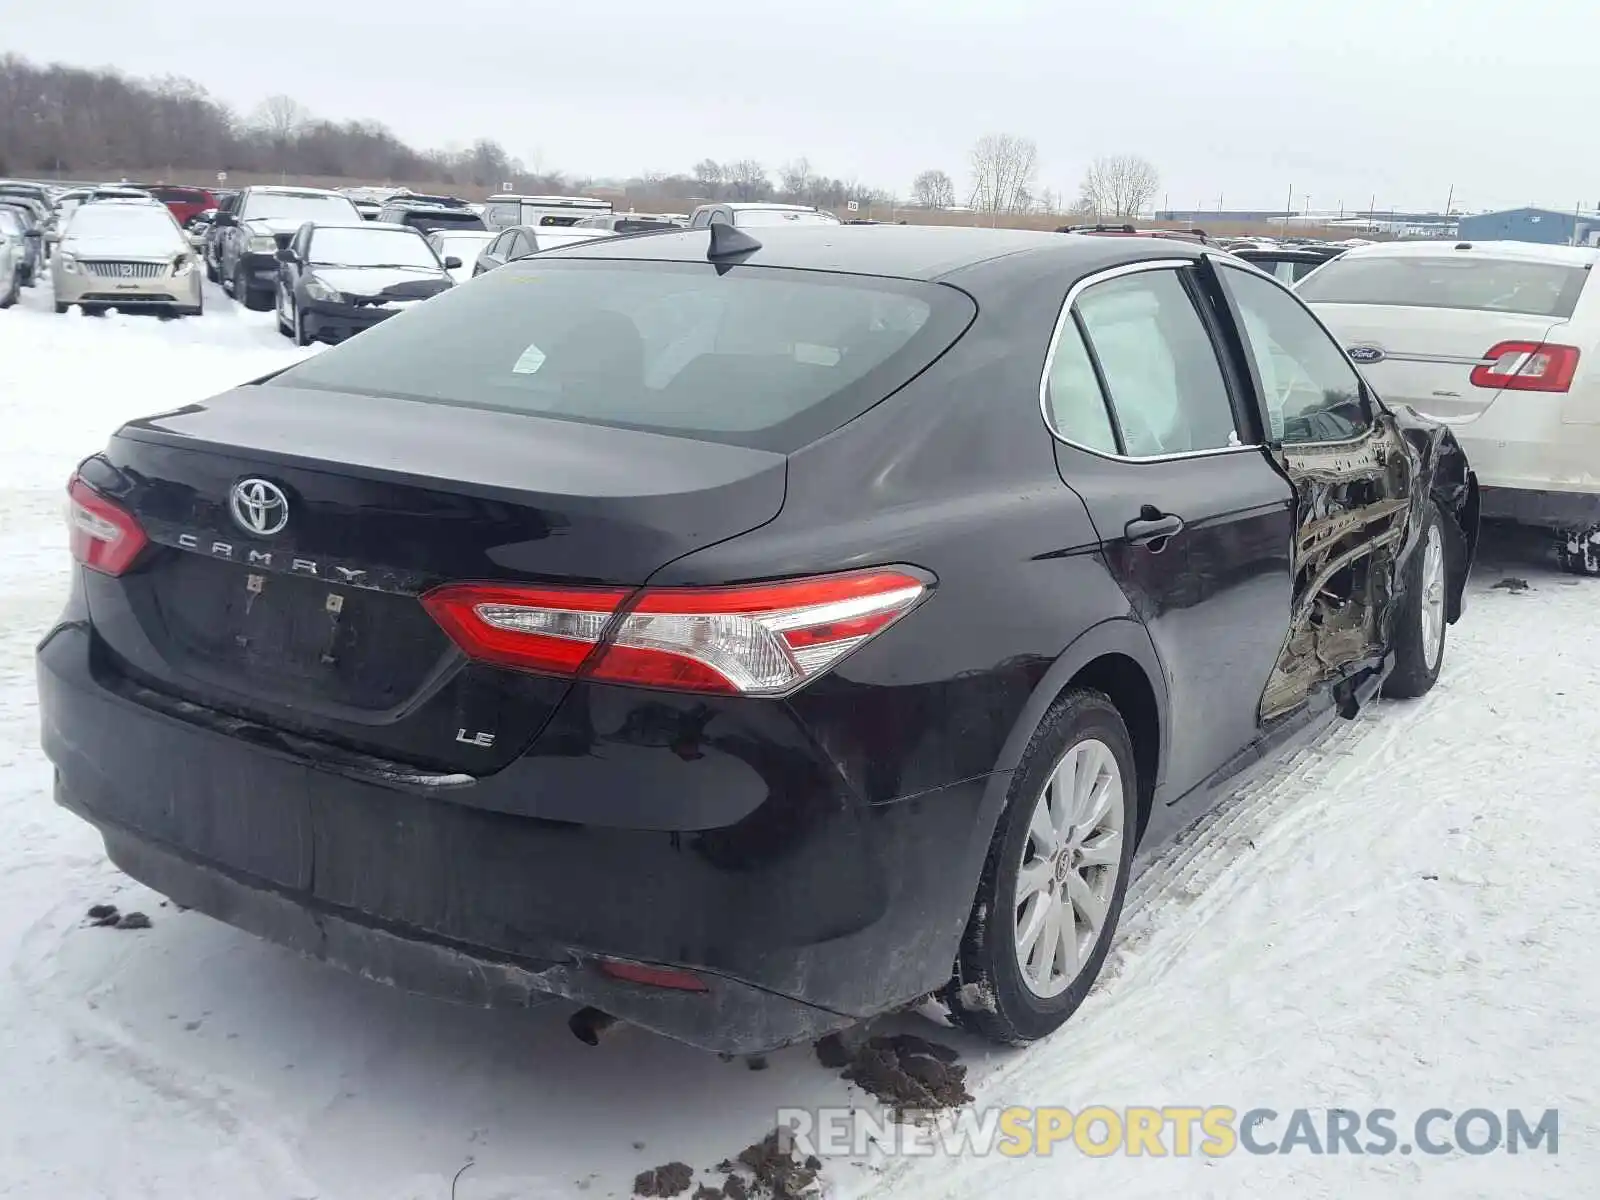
[[1543, 225]]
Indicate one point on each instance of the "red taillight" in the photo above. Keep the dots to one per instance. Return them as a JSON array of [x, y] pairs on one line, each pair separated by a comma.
[[1527, 367], [105, 538], [661, 977], [759, 640], [551, 630]]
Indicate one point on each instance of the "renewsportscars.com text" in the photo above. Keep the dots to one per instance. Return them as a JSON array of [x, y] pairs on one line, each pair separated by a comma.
[[1175, 1130]]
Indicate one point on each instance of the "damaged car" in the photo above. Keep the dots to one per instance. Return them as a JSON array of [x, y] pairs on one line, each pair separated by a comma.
[[742, 633], [336, 280]]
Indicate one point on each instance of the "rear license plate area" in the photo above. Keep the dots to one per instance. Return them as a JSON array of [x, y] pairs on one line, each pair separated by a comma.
[[297, 635]]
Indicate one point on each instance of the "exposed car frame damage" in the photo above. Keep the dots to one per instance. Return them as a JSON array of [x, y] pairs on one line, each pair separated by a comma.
[[1357, 507]]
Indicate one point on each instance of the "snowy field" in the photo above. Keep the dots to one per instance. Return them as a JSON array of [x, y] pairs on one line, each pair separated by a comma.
[[1403, 917]]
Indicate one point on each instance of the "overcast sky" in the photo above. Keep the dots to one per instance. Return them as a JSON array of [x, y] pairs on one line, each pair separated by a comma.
[[1237, 99]]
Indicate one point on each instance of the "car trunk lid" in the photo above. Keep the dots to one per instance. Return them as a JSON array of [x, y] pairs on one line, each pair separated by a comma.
[[1424, 357], [315, 627]]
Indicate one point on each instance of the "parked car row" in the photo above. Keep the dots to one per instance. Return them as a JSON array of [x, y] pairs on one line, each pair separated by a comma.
[[111, 244]]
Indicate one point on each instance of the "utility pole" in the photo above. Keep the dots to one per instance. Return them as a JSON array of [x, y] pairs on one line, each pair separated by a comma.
[[1450, 200]]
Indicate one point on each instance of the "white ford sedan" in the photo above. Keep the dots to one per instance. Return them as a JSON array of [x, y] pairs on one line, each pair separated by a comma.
[[1501, 340]]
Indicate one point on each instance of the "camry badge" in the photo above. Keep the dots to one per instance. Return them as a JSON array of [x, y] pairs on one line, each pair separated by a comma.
[[259, 507]]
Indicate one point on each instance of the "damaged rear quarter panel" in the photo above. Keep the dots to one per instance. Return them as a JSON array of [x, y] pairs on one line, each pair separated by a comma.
[[1359, 507]]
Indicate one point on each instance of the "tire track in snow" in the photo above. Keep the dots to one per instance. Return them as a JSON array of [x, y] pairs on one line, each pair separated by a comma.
[[1359, 926]]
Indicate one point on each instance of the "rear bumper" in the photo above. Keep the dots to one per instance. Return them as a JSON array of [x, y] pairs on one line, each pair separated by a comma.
[[260, 270], [1527, 458], [802, 916], [1541, 508]]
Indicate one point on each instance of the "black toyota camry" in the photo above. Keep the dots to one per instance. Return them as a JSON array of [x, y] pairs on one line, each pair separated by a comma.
[[740, 633]]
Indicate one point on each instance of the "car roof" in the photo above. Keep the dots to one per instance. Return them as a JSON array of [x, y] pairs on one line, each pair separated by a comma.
[[1289, 253], [289, 190], [1577, 256], [905, 251], [575, 201], [744, 205], [391, 226]]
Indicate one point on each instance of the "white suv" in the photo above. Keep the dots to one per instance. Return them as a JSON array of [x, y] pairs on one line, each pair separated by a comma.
[[1501, 340]]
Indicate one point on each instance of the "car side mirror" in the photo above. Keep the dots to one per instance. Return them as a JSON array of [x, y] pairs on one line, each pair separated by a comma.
[[452, 263], [285, 255]]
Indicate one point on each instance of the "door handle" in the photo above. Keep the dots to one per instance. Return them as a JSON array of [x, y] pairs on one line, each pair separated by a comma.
[[1152, 527]]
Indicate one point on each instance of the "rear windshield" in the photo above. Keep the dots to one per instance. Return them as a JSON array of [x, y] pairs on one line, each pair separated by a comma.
[[627, 226], [444, 220], [298, 206], [780, 216], [178, 195], [760, 357], [1536, 289]]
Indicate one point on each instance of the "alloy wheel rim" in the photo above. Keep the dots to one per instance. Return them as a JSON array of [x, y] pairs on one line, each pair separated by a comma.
[[1071, 861], [1432, 606]]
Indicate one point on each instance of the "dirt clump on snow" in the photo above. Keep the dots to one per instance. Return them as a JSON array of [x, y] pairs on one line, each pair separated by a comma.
[[778, 1173], [908, 1073], [670, 1179]]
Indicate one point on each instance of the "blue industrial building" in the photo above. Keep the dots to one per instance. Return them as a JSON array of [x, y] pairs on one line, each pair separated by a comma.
[[1532, 225]]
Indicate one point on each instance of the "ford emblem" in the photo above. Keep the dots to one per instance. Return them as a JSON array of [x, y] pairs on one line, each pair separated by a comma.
[[1365, 354]]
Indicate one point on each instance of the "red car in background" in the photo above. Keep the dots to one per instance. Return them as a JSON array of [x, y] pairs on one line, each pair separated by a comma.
[[185, 203]]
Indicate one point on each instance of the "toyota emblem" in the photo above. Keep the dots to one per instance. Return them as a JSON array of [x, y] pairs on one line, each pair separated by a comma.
[[1365, 354], [259, 507]]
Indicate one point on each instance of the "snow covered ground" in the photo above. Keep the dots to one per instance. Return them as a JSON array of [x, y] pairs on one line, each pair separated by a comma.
[[1402, 917]]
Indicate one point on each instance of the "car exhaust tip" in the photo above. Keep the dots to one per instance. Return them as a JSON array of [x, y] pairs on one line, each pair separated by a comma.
[[589, 1025]]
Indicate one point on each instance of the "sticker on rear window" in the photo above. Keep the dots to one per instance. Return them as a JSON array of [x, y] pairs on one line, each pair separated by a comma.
[[529, 362]]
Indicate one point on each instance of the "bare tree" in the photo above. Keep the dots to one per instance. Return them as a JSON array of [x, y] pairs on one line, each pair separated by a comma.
[[933, 189], [281, 117], [1003, 166], [1118, 186], [748, 180], [708, 177], [794, 181]]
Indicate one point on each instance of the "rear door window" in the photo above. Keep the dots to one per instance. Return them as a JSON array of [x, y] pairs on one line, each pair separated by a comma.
[[1073, 400], [1465, 281], [758, 357], [1159, 365]]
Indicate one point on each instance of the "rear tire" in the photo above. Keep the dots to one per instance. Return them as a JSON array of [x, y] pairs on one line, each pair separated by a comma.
[[1420, 617], [61, 308], [1578, 551], [13, 292], [1063, 846]]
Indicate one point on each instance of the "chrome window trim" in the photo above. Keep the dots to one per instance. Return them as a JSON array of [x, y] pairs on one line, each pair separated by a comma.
[[1062, 320]]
